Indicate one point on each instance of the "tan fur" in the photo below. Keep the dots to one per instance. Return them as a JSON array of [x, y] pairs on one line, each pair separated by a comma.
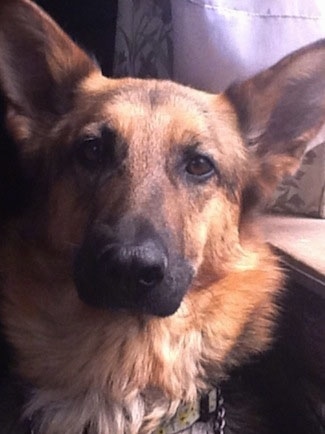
[[120, 372]]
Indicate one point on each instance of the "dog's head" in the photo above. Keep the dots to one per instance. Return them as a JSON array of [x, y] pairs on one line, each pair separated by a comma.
[[143, 186], [158, 185]]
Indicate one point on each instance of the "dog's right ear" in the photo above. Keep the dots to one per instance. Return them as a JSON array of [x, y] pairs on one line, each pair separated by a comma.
[[280, 110], [40, 65]]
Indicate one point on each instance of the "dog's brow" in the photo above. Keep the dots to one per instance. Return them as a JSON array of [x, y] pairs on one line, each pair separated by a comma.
[[97, 129], [195, 141]]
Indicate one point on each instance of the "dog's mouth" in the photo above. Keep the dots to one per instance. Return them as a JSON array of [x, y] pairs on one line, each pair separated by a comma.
[[140, 276]]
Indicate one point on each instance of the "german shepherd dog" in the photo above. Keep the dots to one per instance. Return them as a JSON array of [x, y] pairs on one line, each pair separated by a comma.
[[135, 282]]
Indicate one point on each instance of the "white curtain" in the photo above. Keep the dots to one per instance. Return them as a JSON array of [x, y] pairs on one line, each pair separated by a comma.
[[219, 41]]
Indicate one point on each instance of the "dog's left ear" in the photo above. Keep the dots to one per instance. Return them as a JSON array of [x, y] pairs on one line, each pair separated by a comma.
[[279, 111]]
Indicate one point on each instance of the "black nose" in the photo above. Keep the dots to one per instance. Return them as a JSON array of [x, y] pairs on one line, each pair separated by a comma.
[[133, 267], [137, 271]]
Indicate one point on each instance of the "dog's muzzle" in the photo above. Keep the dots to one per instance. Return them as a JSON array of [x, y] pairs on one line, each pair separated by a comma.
[[138, 274]]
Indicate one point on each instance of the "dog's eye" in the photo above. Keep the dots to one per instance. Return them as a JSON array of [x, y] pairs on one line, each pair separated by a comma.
[[200, 167], [90, 152]]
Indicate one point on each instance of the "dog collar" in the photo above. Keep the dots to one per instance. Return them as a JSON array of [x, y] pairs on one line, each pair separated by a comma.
[[208, 408]]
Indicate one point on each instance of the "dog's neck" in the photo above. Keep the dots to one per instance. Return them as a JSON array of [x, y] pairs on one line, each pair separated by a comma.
[[208, 410]]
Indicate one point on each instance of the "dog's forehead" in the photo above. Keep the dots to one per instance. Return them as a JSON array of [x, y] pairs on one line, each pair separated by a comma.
[[152, 114], [149, 106]]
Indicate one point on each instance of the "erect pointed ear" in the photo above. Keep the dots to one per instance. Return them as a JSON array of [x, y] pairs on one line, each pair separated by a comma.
[[279, 111], [40, 66]]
